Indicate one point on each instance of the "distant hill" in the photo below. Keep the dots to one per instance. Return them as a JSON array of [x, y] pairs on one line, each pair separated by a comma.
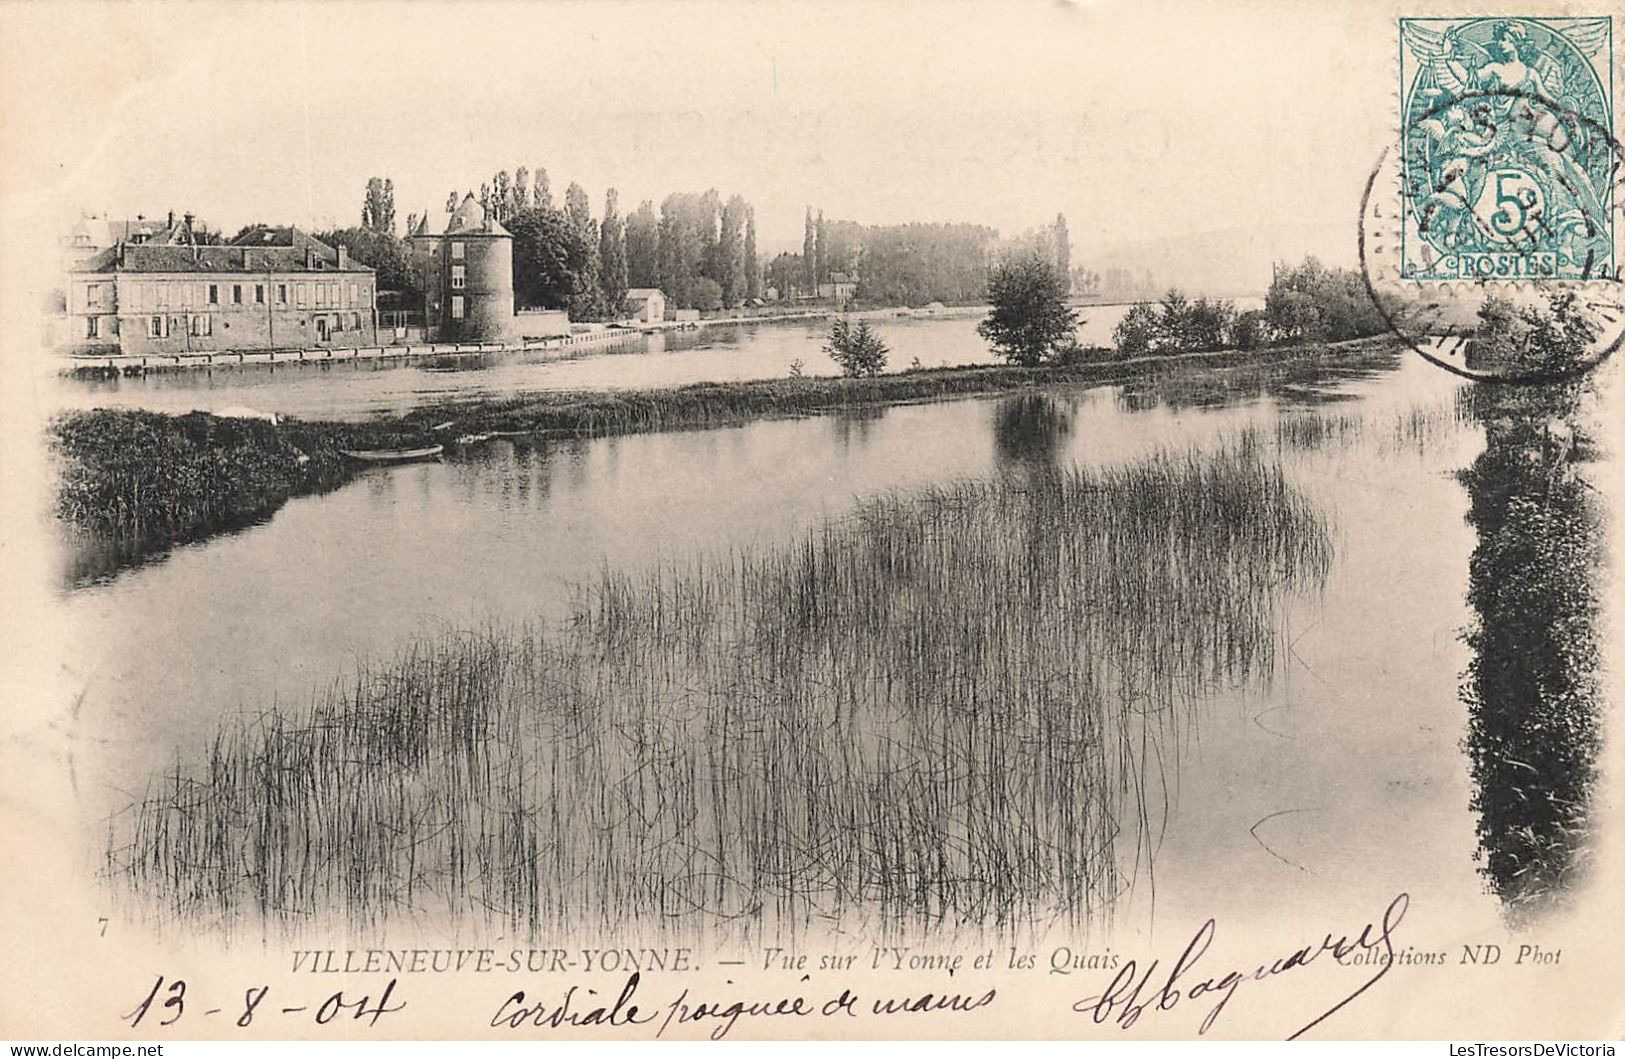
[[1226, 262]]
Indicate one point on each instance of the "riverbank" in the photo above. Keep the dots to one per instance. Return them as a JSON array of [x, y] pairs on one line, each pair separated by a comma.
[[136, 476], [598, 338], [534, 773]]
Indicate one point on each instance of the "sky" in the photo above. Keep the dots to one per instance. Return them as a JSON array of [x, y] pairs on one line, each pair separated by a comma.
[[1252, 125]]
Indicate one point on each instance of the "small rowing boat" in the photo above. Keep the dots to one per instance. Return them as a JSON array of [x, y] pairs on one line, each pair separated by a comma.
[[393, 455]]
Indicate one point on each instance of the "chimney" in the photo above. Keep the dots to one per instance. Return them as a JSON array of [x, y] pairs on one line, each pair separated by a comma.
[[171, 223], [344, 257]]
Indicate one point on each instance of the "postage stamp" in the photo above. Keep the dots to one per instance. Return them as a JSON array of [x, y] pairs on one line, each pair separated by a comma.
[[1507, 164]]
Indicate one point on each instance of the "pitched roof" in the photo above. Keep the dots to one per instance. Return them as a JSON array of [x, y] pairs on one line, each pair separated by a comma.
[[102, 231], [276, 250], [284, 237]]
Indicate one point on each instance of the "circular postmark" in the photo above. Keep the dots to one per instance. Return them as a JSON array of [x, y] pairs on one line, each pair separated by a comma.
[[1487, 237]]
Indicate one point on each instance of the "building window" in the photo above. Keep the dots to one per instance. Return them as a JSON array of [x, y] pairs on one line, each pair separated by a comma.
[[155, 327], [333, 294], [355, 294], [355, 321], [282, 294], [456, 306], [259, 294], [456, 251], [93, 294], [458, 278], [202, 325], [214, 294], [186, 293], [236, 294], [302, 294], [93, 327], [366, 297]]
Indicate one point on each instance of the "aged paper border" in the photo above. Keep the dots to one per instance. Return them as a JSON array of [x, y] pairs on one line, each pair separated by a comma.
[[62, 980]]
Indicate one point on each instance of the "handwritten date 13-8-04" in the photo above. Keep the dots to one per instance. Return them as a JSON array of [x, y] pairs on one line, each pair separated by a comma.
[[167, 1002]]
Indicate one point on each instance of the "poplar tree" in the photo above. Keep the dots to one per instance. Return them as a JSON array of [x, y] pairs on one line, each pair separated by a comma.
[[821, 254], [809, 253], [1063, 253], [501, 195], [612, 253], [753, 268]]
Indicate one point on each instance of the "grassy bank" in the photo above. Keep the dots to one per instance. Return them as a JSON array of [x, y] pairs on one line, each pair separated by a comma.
[[145, 480], [713, 404], [144, 475], [945, 708]]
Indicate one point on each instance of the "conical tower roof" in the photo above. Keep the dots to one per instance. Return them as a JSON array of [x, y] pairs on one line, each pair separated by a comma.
[[472, 219]]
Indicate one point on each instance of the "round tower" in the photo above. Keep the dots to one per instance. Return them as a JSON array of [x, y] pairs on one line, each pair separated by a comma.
[[476, 257]]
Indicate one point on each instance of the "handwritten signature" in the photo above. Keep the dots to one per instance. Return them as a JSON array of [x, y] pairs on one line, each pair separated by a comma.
[[1127, 997]]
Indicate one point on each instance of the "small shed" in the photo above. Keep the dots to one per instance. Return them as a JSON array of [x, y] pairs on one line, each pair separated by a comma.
[[646, 304]]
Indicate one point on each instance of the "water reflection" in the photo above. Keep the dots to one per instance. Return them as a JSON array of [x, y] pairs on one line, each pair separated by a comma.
[[852, 426], [1532, 688], [1308, 382], [510, 534], [822, 730], [1031, 430]]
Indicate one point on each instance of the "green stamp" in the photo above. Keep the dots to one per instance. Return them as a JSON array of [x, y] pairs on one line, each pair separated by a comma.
[[1507, 154]]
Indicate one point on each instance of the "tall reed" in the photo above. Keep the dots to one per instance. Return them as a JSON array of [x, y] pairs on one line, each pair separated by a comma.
[[947, 708]]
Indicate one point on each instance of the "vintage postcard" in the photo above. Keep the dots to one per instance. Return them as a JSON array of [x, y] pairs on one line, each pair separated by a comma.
[[718, 521]]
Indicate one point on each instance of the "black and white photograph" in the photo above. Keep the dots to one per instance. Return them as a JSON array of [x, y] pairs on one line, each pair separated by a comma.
[[707, 521]]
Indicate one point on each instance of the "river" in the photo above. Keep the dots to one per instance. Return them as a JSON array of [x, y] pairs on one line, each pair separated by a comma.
[[359, 389], [1340, 776]]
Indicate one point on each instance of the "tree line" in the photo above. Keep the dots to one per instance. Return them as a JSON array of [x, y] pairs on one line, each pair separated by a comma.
[[909, 264], [699, 250], [1306, 302]]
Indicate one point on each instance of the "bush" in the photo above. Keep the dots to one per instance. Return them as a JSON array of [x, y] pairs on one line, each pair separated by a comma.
[[1178, 326], [1030, 321], [1530, 339], [1136, 331], [858, 350], [705, 294], [1249, 330], [1315, 302]]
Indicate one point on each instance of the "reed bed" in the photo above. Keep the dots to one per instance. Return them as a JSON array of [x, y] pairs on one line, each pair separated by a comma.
[[1412, 429], [948, 708]]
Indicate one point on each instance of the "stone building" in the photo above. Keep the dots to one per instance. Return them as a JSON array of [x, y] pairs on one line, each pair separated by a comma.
[[270, 288], [467, 271]]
